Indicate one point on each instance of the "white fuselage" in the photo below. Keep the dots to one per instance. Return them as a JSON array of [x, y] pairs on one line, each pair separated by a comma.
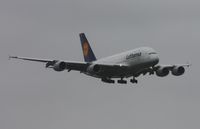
[[135, 60]]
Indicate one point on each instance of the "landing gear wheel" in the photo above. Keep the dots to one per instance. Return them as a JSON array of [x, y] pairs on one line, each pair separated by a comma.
[[122, 81], [107, 80], [112, 81]]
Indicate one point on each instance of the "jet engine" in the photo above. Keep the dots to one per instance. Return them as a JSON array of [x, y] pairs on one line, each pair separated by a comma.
[[162, 71], [178, 70], [59, 66], [94, 68]]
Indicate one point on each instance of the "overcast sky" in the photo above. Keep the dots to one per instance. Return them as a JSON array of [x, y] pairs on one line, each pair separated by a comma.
[[32, 97]]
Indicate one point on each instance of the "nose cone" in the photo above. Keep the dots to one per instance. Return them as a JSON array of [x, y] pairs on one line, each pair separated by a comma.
[[153, 56], [155, 59]]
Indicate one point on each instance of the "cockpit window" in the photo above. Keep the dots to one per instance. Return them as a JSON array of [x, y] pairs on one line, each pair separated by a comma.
[[151, 53]]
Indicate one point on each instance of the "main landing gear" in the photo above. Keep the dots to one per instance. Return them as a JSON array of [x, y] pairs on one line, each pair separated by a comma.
[[122, 81], [107, 80]]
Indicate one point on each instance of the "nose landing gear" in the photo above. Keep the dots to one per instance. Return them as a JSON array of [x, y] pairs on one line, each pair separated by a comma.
[[151, 71], [134, 80]]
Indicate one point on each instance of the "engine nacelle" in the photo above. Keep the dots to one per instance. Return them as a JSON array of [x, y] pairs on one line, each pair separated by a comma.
[[162, 71], [94, 68], [178, 70], [59, 66]]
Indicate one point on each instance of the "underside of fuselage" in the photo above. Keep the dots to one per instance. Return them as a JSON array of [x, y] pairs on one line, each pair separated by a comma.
[[133, 69]]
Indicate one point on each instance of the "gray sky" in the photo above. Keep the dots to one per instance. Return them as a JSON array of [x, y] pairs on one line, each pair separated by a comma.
[[33, 97]]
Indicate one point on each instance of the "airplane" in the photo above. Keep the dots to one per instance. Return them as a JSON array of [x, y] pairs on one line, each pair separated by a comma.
[[129, 64]]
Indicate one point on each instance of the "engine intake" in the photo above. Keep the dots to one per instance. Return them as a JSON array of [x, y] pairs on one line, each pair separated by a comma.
[[162, 72], [59, 66], [178, 70], [94, 68]]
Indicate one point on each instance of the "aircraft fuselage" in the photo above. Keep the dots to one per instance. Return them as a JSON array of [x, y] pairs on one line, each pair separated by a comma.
[[135, 60]]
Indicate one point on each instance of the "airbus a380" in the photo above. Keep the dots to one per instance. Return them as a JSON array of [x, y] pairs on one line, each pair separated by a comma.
[[129, 64]]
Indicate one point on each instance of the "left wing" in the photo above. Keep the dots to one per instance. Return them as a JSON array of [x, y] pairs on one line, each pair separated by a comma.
[[163, 70], [102, 70], [58, 65]]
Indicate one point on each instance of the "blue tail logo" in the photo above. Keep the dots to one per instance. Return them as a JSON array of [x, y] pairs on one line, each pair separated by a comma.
[[87, 51]]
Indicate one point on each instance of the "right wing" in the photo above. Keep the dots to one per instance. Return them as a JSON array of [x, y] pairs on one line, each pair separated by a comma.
[[58, 65]]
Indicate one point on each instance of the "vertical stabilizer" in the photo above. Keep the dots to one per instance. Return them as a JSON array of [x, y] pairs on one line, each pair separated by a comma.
[[87, 51]]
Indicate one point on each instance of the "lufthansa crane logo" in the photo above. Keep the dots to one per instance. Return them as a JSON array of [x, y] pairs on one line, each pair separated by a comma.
[[85, 49]]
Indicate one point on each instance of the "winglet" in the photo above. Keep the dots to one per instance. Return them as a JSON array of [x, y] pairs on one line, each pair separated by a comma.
[[10, 57]]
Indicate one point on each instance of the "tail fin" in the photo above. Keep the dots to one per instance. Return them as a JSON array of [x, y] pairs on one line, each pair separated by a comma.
[[87, 51]]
